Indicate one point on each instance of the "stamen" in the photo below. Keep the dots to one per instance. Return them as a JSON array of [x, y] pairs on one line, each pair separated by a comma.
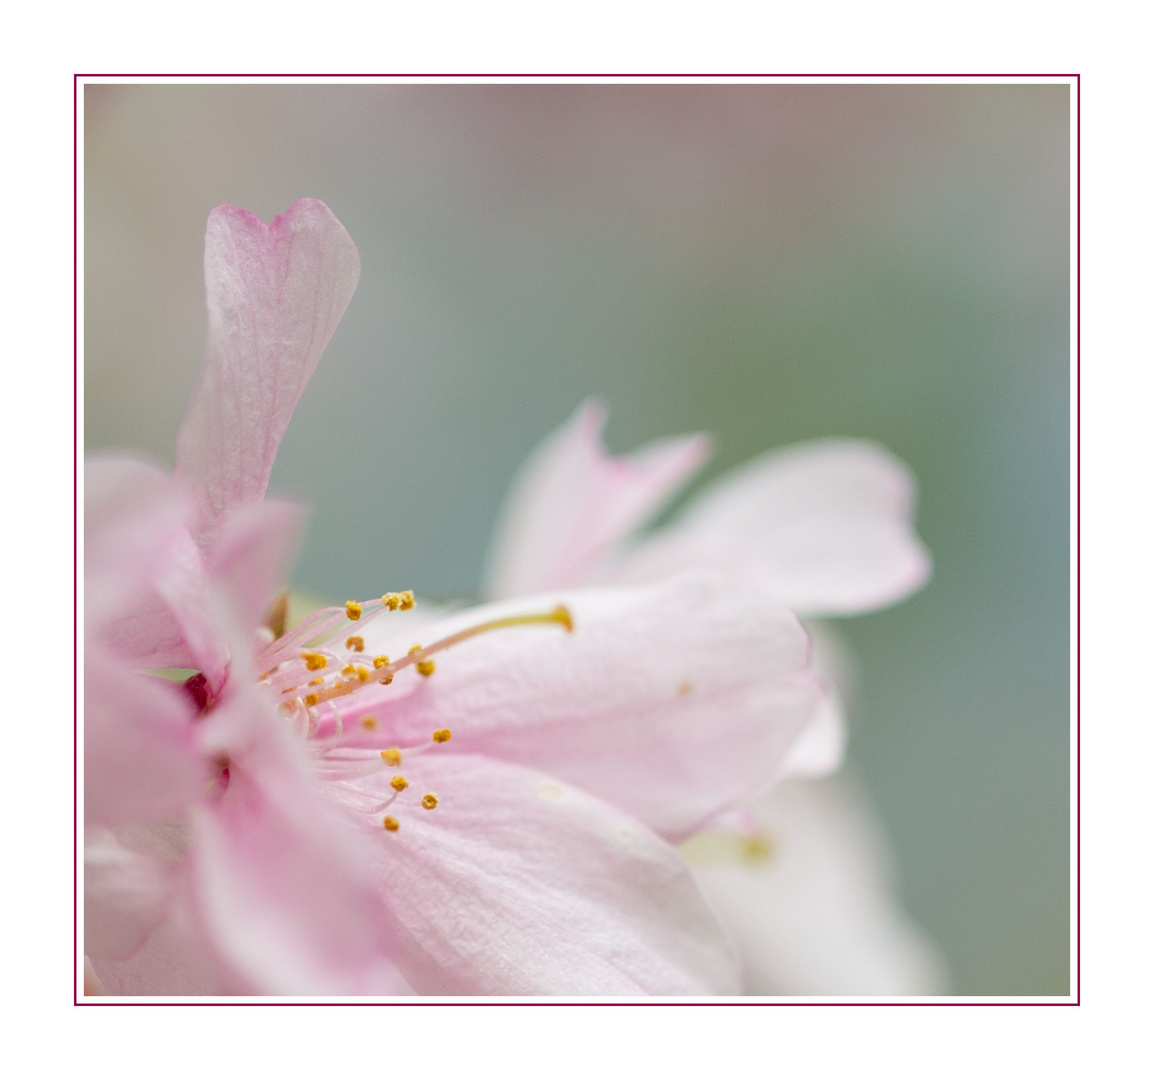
[[391, 823], [442, 735], [429, 801], [356, 643], [420, 656], [353, 610], [407, 601], [398, 783], [380, 661], [369, 723], [392, 756], [424, 667], [314, 661]]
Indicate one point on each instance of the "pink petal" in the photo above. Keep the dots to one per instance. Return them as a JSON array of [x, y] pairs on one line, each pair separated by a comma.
[[572, 503], [136, 523], [812, 904], [275, 295], [126, 895], [249, 566], [141, 761], [671, 701], [519, 884], [145, 583], [827, 526], [282, 886]]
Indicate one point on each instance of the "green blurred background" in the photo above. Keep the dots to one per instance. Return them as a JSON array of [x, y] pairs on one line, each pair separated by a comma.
[[765, 262]]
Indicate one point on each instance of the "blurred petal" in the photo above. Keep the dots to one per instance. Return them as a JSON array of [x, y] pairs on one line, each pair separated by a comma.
[[282, 888], [810, 898], [140, 757], [518, 884], [250, 562], [670, 701], [827, 526], [126, 895], [275, 295], [820, 748], [571, 503], [136, 523]]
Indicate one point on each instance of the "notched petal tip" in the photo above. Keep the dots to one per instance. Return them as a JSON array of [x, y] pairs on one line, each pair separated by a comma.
[[275, 296]]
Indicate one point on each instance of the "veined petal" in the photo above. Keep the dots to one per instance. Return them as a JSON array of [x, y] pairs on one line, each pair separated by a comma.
[[572, 503], [275, 295], [671, 701], [282, 888], [809, 897], [519, 884], [826, 525], [140, 757]]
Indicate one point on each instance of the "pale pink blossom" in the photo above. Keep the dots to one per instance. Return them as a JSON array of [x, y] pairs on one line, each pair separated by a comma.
[[800, 875], [306, 815], [808, 890]]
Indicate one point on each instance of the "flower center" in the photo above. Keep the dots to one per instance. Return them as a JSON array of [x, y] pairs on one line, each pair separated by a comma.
[[321, 666]]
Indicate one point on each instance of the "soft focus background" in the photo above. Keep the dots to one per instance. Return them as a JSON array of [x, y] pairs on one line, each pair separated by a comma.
[[769, 263]]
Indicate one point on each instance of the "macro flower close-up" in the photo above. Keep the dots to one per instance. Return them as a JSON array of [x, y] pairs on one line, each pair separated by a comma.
[[612, 543], [568, 737]]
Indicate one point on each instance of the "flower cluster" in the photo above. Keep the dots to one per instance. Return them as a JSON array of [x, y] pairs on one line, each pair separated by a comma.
[[333, 808]]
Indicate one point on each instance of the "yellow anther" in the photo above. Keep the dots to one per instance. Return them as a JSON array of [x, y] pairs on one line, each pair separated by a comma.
[[429, 802], [392, 756], [385, 680], [348, 669], [442, 735], [369, 723], [407, 601], [353, 610], [380, 661], [414, 649], [314, 661], [311, 700], [318, 681], [391, 823], [356, 643], [391, 600], [398, 783], [363, 673], [426, 667]]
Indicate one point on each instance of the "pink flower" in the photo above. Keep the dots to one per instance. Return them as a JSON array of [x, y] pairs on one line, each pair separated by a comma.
[[307, 815], [826, 527]]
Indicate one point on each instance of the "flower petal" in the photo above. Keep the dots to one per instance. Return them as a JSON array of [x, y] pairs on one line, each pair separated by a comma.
[[136, 531], [572, 502], [249, 564], [281, 886], [671, 701], [810, 898], [820, 748], [126, 895], [140, 756], [519, 884], [825, 525], [275, 295]]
